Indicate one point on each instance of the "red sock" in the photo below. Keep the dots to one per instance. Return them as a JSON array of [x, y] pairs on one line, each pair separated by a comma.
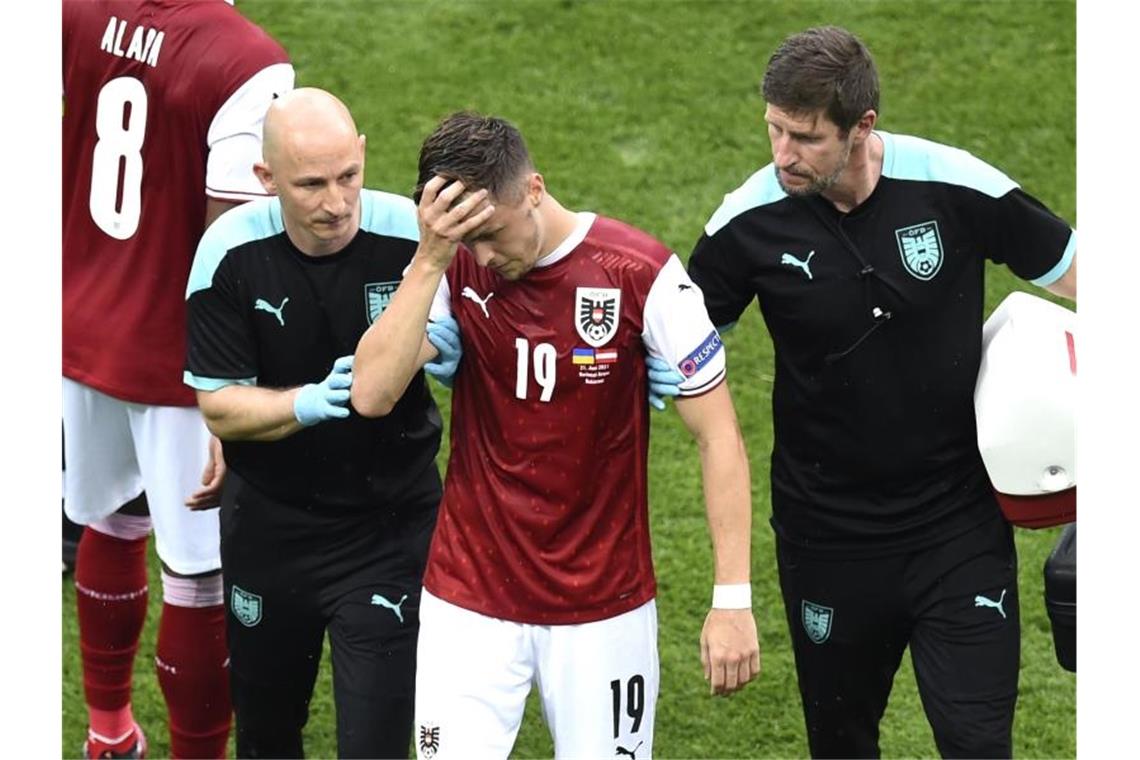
[[111, 598], [192, 664]]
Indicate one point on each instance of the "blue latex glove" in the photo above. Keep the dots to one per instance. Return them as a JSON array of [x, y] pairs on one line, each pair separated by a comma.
[[664, 380], [328, 399], [444, 335]]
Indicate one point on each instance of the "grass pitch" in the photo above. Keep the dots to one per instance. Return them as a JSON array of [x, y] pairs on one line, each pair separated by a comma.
[[650, 112]]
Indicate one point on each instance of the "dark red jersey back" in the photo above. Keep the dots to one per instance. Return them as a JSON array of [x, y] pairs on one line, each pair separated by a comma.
[[142, 83]]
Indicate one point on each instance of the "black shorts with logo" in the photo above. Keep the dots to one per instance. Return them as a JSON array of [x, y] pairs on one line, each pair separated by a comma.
[[291, 573], [955, 604]]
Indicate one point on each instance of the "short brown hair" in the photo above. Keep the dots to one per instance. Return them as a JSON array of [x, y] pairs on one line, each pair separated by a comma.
[[824, 68], [479, 151]]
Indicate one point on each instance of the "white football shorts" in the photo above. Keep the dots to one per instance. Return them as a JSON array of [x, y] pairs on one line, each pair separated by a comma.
[[114, 450], [598, 683]]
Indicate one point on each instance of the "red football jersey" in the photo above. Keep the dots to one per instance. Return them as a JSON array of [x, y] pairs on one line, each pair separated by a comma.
[[544, 517], [150, 90]]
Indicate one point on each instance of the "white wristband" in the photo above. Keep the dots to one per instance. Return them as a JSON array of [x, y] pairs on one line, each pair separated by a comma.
[[732, 596]]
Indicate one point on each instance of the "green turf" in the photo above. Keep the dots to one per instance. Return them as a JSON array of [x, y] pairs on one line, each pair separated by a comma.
[[650, 112]]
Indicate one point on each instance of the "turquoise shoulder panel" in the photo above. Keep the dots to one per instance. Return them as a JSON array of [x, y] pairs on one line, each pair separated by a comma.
[[248, 222], [913, 158], [388, 214], [758, 190]]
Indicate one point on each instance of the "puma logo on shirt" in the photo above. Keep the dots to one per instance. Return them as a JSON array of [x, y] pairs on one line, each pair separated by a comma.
[[791, 260], [469, 293], [262, 305]]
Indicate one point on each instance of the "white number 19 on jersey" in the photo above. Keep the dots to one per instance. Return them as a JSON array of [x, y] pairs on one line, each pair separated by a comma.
[[544, 363]]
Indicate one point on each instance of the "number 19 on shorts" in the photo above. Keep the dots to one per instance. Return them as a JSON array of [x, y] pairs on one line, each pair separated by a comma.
[[629, 702]]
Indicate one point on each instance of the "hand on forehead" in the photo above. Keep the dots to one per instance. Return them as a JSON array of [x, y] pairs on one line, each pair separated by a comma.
[[452, 212], [456, 194], [469, 193]]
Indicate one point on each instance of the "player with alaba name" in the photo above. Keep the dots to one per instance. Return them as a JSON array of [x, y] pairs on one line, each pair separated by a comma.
[[163, 104], [541, 559]]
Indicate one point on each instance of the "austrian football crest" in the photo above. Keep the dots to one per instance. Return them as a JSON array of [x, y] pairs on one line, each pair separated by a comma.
[[246, 607], [920, 246], [377, 296], [817, 621], [596, 312]]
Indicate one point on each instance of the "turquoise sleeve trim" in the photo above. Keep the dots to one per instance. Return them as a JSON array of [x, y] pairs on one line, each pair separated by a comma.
[[722, 329], [389, 214], [213, 383], [758, 190], [251, 221], [1061, 267], [913, 158]]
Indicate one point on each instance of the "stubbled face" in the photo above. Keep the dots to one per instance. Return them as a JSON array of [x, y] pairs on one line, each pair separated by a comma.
[[809, 151], [510, 242], [318, 178]]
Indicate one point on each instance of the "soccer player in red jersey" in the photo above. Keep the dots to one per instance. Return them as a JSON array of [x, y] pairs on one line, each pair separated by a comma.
[[163, 103], [541, 558]]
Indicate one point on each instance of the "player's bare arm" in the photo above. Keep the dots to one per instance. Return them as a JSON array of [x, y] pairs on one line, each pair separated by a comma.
[[249, 413], [395, 347], [730, 647], [1066, 287]]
